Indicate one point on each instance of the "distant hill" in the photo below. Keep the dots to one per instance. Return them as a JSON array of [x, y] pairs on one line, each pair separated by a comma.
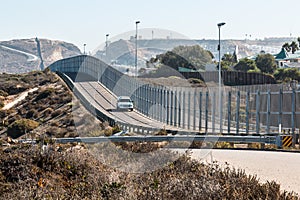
[[25, 55]]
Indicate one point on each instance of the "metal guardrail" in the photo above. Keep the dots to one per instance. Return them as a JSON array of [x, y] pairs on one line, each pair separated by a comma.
[[189, 138]]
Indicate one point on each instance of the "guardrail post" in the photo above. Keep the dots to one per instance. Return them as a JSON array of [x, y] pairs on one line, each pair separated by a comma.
[[278, 141], [229, 112], [257, 112], [237, 117], [247, 112], [200, 111]]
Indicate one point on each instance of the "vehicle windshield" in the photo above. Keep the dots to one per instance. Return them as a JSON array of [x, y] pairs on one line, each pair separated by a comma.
[[124, 100]]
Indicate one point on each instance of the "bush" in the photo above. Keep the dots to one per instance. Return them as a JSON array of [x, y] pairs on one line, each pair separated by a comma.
[[20, 127], [32, 113], [286, 75], [56, 113], [44, 94]]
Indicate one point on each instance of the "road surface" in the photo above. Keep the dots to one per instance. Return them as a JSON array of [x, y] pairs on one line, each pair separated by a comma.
[[282, 167], [30, 56]]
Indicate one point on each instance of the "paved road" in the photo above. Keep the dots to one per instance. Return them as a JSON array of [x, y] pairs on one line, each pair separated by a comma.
[[282, 167], [30, 56], [105, 101]]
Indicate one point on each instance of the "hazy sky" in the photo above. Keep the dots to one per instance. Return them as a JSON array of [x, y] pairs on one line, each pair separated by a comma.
[[88, 21]]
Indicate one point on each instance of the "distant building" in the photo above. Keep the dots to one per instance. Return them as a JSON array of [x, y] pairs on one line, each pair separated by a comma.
[[285, 59]]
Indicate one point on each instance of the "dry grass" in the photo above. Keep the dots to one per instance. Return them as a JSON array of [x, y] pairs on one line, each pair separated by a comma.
[[72, 172]]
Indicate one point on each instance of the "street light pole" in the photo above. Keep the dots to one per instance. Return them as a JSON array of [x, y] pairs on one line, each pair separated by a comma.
[[220, 84], [84, 48], [136, 40], [106, 45]]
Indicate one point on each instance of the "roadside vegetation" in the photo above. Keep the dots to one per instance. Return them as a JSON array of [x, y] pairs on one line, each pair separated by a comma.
[[71, 172]]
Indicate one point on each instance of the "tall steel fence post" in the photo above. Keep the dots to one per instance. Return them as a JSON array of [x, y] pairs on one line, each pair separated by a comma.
[[257, 112], [183, 109], [214, 112], [280, 107], [189, 110], [237, 115], [161, 105], [179, 109], [268, 111], [293, 115], [206, 111], [175, 107], [229, 112], [164, 106], [194, 109], [172, 108], [247, 112], [155, 104], [200, 111], [168, 106]]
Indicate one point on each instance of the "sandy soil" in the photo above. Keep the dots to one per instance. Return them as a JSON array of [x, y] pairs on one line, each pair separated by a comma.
[[19, 98]]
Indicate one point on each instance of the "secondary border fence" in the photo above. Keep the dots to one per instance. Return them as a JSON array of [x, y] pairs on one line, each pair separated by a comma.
[[255, 109]]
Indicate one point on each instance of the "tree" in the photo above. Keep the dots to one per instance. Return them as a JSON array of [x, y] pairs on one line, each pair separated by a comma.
[[298, 39], [286, 75], [230, 58], [245, 65], [266, 63], [191, 57], [287, 47], [294, 47]]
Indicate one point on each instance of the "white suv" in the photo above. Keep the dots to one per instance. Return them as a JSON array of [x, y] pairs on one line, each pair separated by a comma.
[[124, 102]]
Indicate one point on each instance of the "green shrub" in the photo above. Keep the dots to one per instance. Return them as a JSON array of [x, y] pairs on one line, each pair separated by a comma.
[[20, 127], [162, 132], [44, 94], [116, 129]]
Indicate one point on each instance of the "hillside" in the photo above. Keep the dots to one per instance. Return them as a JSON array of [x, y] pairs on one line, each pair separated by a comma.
[[25, 55], [48, 109]]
